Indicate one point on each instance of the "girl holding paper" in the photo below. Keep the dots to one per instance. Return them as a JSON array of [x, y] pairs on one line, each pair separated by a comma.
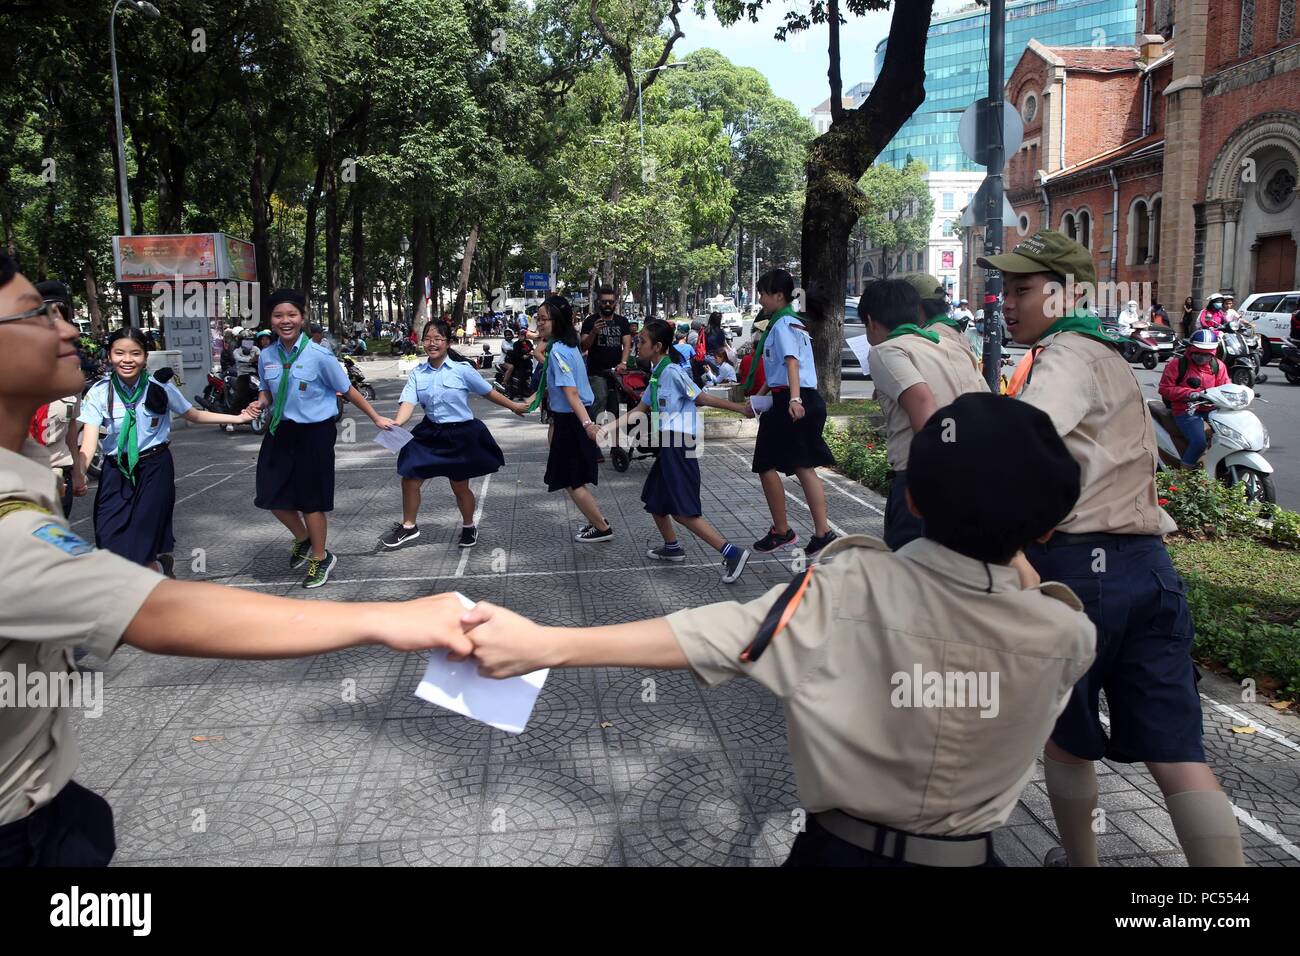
[[672, 489], [790, 432], [301, 382], [450, 443]]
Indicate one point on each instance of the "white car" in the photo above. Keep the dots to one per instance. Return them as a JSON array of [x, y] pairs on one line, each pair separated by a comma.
[[1270, 313]]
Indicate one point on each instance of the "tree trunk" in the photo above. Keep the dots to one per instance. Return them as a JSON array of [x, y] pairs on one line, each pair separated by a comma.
[[359, 283], [92, 295], [435, 268], [462, 286], [309, 236], [332, 243], [419, 266], [836, 161], [261, 237]]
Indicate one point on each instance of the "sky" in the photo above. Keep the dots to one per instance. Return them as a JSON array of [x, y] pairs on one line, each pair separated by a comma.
[[796, 69]]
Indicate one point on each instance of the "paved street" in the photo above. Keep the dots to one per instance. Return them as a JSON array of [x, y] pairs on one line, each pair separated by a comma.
[[228, 763]]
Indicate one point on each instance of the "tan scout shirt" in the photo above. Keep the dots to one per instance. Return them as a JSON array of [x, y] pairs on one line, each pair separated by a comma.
[[59, 417], [1096, 404], [51, 599], [898, 364], [847, 665], [950, 336]]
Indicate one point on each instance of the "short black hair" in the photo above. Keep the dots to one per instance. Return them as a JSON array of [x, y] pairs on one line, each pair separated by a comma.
[[606, 290], [52, 290], [776, 281], [661, 333], [933, 308], [890, 302]]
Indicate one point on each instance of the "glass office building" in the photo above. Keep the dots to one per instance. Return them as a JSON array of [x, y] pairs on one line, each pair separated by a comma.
[[956, 66]]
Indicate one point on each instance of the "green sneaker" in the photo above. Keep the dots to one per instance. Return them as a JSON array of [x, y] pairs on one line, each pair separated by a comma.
[[298, 554], [318, 571]]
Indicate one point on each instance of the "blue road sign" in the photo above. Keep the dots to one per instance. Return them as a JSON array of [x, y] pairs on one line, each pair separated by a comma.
[[537, 281]]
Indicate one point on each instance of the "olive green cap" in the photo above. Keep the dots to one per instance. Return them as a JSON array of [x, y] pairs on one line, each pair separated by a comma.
[[1046, 251], [926, 285]]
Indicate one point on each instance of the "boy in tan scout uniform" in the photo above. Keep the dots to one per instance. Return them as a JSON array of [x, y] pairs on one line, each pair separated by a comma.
[[934, 313], [1110, 550], [891, 771], [59, 594], [915, 371]]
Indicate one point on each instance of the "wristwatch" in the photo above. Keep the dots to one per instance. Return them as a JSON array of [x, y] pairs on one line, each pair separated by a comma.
[[796, 400]]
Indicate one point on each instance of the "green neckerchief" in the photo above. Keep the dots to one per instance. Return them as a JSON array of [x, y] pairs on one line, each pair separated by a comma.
[[654, 392], [128, 439], [944, 320], [758, 349], [282, 392], [1084, 325], [911, 328], [541, 382]]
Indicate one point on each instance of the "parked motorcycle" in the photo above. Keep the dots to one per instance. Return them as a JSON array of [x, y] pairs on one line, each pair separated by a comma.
[[358, 378], [225, 396], [1289, 362], [1236, 439]]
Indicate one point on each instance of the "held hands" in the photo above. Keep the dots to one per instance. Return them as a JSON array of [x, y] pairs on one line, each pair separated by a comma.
[[424, 624], [384, 424], [796, 410], [504, 643], [79, 483]]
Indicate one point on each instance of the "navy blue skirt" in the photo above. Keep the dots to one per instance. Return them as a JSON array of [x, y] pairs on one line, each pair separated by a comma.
[[295, 468], [786, 445], [455, 450], [135, 520], [673, 485], [571, 462]]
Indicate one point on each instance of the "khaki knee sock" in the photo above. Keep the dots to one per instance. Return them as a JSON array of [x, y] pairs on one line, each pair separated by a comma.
[[1206, 828], [1072, 788]]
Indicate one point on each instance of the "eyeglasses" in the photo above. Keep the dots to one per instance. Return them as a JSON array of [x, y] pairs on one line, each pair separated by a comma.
[[438, 341], [50, 310]]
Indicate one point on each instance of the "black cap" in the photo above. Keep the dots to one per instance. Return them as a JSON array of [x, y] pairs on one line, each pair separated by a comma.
[[990, 475], [52, 290], [292, 296], [315, 329]]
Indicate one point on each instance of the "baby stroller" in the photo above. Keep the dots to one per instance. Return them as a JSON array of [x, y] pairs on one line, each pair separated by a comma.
[[631, 386]]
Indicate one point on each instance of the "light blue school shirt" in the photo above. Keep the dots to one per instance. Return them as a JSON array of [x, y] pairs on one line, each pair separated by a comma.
[[315, 380], [564, 366], [789, 337], [676, 398], [150, 429], [443, 392]]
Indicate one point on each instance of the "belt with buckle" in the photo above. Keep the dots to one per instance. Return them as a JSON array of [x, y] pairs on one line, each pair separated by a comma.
[[907, 847]]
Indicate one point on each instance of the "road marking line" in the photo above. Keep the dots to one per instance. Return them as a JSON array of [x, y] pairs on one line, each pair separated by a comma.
[[799, 501], [866, 504], [1244, 720], [478, 513], [1245, 816], [180, 501]]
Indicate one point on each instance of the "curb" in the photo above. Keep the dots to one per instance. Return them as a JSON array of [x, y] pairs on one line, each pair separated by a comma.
[[724, 428]]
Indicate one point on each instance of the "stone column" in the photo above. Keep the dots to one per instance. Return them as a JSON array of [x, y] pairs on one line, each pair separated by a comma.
[[1231, 215], [1215, 221]]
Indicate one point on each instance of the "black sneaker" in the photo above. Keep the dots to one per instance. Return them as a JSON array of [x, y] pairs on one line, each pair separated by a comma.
[[399, 534], [468, 537], [819, 541], [733, 568], [774, 542], [590, 535], [298, 554], [662, 553]]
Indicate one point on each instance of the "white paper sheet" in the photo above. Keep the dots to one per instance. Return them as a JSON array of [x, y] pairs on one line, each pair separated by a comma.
[[394, 439], [861, 348], [760, 403], [503, 704]]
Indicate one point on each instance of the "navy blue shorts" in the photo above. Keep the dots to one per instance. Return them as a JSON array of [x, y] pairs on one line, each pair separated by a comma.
[[1137, 601]]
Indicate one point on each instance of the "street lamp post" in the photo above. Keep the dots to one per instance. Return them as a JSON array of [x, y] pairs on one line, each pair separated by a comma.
[[123, 196], [404, 246], [640, 112]]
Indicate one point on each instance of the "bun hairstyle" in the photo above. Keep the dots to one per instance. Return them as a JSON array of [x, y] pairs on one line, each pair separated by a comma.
[[777, 281], [561, 315]]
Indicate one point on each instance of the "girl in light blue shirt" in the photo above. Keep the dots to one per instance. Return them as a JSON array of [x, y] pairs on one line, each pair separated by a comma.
[[450, 442], [137, 485]]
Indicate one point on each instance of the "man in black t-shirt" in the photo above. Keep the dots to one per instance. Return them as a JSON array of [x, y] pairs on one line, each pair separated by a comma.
[[607, 340]]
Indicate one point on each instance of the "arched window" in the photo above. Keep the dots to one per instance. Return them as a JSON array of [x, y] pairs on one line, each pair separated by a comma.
[[1247, 38], [1156, 205], [1139, 233], [1083, 224], [1069, 227], [867, 271]]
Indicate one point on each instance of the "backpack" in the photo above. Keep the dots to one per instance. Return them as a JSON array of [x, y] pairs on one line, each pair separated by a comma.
[[1182, 373]]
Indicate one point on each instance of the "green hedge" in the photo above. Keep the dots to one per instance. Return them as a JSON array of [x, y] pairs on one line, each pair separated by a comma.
[[859, 453]]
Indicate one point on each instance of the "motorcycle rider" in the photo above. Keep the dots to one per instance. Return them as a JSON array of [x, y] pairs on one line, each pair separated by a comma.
[[1184, 378], [1130, 317], [1212, 316]]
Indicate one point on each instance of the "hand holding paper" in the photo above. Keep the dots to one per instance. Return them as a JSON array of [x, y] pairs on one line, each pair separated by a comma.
[[394, 439]]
